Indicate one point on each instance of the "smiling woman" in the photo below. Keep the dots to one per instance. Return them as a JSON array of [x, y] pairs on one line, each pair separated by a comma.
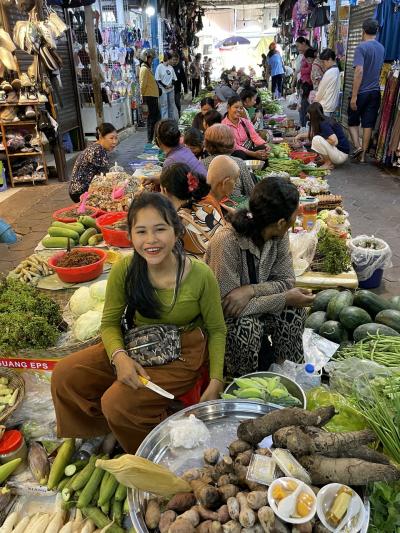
[[99, 388]]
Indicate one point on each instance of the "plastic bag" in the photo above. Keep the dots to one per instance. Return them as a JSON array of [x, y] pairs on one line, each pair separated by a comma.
[[348, 375], [303, 246], [317, 350], [346, 418], [293, 101], [367, 260], [188, 432]]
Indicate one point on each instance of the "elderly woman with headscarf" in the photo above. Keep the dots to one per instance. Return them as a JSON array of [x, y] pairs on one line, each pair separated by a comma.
[[219, 140]]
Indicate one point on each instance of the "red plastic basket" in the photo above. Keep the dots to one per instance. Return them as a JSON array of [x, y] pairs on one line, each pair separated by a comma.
[[306, 157], [114, 237], [58, 215], [81, 273]]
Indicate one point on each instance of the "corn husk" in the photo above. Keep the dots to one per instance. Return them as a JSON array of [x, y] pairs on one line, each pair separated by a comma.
[[38, 463], [137, 472]]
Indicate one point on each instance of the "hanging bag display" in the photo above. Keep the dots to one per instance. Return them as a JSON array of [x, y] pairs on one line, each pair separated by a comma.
[[319, 16]]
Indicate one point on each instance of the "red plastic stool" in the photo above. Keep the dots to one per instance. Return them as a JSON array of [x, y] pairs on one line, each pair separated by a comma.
[[193, 395]]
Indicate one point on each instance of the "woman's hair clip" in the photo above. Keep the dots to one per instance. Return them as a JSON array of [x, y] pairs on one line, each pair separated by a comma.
[[249, 215], [193, 182]]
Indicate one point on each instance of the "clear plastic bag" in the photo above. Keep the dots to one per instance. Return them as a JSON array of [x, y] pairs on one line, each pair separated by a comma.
[[188, 433], [317, 350], [367, 260], [303, 246]]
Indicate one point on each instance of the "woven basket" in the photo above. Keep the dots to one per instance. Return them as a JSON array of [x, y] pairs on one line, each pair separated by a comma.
[[15, 381]]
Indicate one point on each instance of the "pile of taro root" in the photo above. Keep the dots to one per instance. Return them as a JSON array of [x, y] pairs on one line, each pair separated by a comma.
[[223, 500]]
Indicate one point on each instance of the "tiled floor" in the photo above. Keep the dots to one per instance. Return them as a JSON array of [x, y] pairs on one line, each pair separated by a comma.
[[370, 195]]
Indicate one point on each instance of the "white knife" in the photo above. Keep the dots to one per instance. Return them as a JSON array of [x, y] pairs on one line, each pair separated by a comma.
[[156, 388]]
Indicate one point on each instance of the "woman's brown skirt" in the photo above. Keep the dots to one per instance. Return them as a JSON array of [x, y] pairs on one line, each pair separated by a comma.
[[89, 401]]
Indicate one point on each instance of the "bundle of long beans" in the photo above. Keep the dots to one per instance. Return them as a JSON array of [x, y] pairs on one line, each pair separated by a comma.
[[384, 350]]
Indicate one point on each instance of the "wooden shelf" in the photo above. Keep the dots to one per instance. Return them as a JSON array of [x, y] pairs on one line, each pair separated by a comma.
[[19, 123], [24, 154]]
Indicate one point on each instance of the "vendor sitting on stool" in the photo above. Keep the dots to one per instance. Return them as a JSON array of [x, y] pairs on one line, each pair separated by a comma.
[[98, 389], [327, 138], [93, 160]]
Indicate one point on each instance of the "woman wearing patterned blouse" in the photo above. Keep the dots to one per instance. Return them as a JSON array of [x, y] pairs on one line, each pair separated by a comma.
[[252, 262], [93, 160]]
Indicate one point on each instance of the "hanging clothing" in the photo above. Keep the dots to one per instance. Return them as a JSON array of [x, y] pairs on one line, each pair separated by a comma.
[[388, 15]]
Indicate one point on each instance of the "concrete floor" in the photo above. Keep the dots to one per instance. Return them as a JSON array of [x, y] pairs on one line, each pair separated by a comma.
[[371, 196]]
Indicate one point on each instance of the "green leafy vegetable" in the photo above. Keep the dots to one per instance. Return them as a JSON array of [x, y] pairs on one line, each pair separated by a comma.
[[332, 255], [385, 508]]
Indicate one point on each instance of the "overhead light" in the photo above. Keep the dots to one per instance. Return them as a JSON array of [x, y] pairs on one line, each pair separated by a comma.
[[150, 11]]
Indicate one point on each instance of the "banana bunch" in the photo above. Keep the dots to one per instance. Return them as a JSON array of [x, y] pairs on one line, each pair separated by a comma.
[[262, 389], [30, 270]]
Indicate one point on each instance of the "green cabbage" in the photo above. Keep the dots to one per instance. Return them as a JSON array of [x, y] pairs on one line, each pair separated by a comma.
[[98, 290], [81, 301], [87, 325]]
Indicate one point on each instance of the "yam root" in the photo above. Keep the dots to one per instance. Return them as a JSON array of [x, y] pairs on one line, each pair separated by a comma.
[[263, 451], [257, 528], [255, 430], [302, 528], [244, 458], [280, 527], [310, 440], [192, 474], [324, 470], [247, 517], [238, 446], [241, 472], [320, 528], [166, 520], [181, 526], [206, 514], [207, 495], [216, 527], [223, 514], [227, 479], [266, 517], [257, 499], [232, 526], [233, 508], [227, 491], [211, 456], [364, 452], [181, 502], [225, 466], [192, 515], [153, 514]]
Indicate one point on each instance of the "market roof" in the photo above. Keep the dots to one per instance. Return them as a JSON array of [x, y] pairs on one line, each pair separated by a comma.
[[235, 4]]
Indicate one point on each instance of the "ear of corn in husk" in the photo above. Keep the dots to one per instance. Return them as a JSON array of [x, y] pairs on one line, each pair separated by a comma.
[[38, 463], [137, 472]]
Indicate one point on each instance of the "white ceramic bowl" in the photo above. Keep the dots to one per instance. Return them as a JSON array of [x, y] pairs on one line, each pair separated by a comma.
[[324, 502], [274, 504]]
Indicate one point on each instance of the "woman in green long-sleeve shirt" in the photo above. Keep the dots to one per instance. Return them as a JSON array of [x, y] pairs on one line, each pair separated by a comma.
[[157, 285]]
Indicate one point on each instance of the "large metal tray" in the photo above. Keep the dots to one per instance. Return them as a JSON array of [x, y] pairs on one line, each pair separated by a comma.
[[222, 418]]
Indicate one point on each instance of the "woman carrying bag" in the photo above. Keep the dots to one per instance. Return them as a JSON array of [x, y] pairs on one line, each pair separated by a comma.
[[157, 293]]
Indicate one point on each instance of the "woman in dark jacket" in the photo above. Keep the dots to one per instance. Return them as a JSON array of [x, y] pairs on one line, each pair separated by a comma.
[[206, 105]]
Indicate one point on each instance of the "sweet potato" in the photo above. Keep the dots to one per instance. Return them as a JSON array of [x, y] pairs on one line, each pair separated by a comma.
[[153, 514], [166, 520], [211, 456], [181, 526], [253, 431], [192, 515], [181, 502], [310, 440], [238, 446], [207, 495], [227, 491], [267, 520], [257, 499], [324, 470], [232, 526]]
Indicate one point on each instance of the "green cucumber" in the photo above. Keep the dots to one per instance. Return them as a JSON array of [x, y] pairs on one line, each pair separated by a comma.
[[57, 242], [322, 299], [64, 454], [75, 226], [333, 331], [61, 232], [371, 302], [88, 222], [84, 238], [95, 239], [75, 467], [91, 486], [390, 318], [315, 320], [339, 302], [351, 317], [364, 331]]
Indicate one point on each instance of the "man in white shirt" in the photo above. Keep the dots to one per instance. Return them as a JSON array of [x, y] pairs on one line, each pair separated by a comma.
[[165, 77], [329, 86]]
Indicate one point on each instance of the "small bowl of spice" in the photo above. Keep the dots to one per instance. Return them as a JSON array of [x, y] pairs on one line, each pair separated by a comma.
[[114, 227], [78, 265], [70, 214]]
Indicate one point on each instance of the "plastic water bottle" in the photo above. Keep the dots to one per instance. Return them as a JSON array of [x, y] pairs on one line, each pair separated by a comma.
[[307, 377]]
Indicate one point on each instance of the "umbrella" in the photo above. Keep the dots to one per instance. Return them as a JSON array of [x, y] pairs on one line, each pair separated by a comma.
[[232, 41]]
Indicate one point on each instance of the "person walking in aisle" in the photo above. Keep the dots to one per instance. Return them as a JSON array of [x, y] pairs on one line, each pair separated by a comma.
[[207, 69], [149, 91], [329, 87], [302, 45], [306, 83], [195, 75], [181, 80], [366, 96], [277, 72], [166, 77]]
